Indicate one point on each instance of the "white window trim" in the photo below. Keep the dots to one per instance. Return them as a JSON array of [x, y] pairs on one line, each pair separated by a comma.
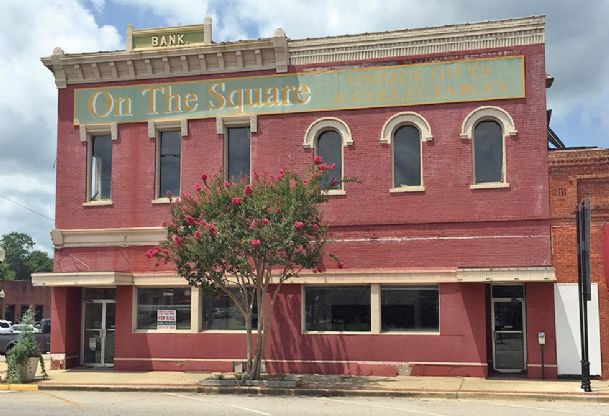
[[195, 307], [375, 314], [407, 118], [483, 113], [508, 128], [87, 132], [327, 123], [155, 128]]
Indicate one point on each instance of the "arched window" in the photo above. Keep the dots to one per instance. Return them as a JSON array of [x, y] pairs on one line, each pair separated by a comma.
[[488, 152], [329, 146], [406, 156]]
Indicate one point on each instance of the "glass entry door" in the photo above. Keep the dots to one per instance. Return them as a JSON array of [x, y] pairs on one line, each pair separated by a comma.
[[508, 335], [98, 333]]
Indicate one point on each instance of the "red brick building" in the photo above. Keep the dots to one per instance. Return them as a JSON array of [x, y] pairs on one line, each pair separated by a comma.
[[446, 239], [576, 174], [19, 295]]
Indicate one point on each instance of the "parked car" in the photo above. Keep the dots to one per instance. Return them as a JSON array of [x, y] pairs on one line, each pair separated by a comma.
[[43, 338], [6, 327], [18, 328]]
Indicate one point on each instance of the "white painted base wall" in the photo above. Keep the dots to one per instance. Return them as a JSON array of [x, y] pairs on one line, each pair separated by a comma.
[[568, 345]]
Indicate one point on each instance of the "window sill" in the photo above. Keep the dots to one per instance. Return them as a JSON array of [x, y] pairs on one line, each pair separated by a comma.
[[163, 331], [430, 333], [490, 185], [331, 192], [164, 200], [226, 331], [104, 203], [338, 333], [400, 189]]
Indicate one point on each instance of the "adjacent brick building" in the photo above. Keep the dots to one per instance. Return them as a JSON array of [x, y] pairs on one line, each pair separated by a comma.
[[576, 174], [19, 295], [446, 239]]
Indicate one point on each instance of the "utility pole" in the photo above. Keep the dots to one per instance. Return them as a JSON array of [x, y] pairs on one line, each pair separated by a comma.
[[584, 285]]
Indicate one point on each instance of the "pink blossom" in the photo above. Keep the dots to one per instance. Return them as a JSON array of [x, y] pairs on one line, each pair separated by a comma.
[[190, 220], [315, 227], [282, 173], [264, 221], [253, 224], [198, 235], [333, 182], [198, 187], [169, 194], [152, 252], [255, 243], [204, 177], [340, 265], [247, 190], [332, 166], [177, 240], [227, 184], [317, 160], [236, 201], [299, 225], [212, 230]]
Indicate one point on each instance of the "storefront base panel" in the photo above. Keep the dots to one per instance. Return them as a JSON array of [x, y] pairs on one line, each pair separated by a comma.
[[549, 372]]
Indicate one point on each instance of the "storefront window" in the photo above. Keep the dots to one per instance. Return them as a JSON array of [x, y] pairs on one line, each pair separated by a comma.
[[172, 302], [409, 309], [221, 313], [338, 308]]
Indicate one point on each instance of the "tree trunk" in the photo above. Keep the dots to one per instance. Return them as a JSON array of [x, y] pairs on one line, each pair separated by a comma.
[[248, 329]]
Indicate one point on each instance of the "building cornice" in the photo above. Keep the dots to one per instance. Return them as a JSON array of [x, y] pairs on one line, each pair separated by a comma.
[[277, 52], [424, 41], [578, 157], [108, 237], [221, 58]]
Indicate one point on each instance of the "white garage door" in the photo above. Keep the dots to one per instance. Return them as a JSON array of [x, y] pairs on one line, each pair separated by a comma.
[[568, 345]]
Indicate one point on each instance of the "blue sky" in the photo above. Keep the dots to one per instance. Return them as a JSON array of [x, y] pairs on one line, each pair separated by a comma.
[[576, 45]]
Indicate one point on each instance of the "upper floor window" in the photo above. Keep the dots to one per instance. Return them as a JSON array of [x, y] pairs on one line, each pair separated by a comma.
[[330, 148], [168, 163], [487, 127], [100, 168], [488, 152], [406, 157], [237, 153]]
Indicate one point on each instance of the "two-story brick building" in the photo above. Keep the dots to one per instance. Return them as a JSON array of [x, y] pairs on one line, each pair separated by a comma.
[[446, 237]]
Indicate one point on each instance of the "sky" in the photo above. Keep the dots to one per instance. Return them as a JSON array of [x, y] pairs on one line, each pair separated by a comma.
[[576, 55]]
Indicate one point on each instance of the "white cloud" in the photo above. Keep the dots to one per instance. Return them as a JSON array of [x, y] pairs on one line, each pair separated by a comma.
[[28, 103]]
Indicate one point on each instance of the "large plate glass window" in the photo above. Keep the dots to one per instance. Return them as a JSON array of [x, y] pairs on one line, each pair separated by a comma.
[[221, 313], [151, 300], [405, 308], [337, 308]]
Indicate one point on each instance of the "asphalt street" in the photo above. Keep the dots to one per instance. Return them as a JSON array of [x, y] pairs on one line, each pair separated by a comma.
[[51, 403]]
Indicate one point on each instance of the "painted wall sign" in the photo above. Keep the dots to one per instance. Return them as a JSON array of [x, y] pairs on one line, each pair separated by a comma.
[[388, 86]]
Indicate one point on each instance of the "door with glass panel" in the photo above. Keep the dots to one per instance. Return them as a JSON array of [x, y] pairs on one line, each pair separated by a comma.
[[508, 318], [98, 333]]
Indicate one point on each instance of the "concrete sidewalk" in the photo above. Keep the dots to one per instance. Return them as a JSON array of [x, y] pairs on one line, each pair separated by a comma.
[[318, 385]]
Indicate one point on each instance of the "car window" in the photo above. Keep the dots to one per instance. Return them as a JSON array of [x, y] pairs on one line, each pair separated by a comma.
[[4, 325]]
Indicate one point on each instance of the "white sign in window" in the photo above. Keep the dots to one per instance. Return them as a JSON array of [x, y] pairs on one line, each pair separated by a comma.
[[166, 319]]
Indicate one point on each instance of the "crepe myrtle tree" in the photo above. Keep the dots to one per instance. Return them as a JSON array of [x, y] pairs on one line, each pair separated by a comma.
[[248, 236]]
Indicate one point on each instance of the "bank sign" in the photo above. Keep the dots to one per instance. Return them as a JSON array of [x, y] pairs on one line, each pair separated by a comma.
[[327, 90]]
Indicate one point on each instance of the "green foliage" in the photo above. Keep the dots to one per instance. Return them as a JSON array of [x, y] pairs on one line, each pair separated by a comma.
[[25, 347], [239, 234], [21, 260]]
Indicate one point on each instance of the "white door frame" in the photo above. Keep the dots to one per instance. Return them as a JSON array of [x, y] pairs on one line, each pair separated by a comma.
[[102, 332], [524, 332]]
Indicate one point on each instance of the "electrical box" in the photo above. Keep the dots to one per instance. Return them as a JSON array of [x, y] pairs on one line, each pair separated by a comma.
[[541, 338]]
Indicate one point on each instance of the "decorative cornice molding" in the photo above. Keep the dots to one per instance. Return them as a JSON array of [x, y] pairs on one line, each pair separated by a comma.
[[249, 55], [578, 157], [424, 41], [278, 52]]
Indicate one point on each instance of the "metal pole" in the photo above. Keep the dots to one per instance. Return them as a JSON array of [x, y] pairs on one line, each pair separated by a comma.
[[582, 266], [543, 375]]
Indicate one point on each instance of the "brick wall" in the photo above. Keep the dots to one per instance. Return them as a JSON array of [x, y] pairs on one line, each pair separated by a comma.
[[21, 294], [577, 174], [513, 222]]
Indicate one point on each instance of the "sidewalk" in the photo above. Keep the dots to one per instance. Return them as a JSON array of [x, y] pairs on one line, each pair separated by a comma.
[[438, 387]]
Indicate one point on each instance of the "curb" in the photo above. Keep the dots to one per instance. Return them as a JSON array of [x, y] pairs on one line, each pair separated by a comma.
[[19, 387], [263, 391]]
